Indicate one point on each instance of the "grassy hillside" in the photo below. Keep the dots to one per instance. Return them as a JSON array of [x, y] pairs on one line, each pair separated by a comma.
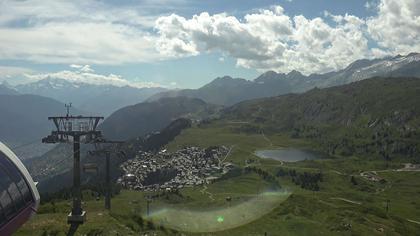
[[378, 116], [140, 119]]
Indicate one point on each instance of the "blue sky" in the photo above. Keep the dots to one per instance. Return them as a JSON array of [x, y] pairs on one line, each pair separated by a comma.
[[186, 43]]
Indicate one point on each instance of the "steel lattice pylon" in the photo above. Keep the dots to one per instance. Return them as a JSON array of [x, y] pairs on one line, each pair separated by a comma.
[[75, 129]]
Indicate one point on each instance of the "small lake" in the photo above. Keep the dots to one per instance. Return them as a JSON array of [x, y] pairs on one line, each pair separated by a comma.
[[287, 155]]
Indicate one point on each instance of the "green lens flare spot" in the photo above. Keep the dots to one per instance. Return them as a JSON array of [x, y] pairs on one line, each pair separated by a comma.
[[220, 219]]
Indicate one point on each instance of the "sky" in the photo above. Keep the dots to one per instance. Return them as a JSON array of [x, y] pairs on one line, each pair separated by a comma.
[[188, 43]]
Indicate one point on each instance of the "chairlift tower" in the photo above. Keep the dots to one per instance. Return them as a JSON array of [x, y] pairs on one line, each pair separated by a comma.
[[75, 129], [107, 152]]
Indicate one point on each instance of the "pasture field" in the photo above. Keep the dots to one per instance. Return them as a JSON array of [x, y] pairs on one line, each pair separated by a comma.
[[346, 204]]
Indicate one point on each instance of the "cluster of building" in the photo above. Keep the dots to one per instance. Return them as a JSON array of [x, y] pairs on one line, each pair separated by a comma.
[[372, 176], [170, 171], [410, 167]]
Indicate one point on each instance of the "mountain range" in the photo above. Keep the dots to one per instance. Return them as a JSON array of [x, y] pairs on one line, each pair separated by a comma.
[[6, 89], [382, 112], [228, 91], [361, 118], [24, 120], [24, 116], [96, 99]]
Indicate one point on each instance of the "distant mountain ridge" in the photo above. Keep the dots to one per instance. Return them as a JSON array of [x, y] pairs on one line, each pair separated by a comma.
[[97, 99], [143, 118], [397, 66], [24, 119], [6, 89], [228, 91]]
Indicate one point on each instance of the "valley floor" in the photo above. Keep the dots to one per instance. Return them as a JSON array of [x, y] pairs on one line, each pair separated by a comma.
[[347, 203]]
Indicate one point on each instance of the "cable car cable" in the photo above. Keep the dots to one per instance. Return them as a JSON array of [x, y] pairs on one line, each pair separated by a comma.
[[24, 145]]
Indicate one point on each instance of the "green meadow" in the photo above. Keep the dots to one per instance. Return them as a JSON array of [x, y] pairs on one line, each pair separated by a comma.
[[346, 203]]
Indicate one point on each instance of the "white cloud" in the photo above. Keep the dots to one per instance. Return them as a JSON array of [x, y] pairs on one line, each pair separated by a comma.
[[83, 32], [266, 40], [11, 71], [85, 74], [272, 40], [371, 5], [93, 32], [396, 28], [93, 43], [14, 74], [220, 32], [75, 66]]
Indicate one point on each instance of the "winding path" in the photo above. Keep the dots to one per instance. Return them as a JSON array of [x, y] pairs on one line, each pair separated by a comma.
[[204, 191]]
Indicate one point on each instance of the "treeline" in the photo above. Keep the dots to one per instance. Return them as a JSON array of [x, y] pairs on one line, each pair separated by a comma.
[[305, 180], [262, 173], [379, 140]]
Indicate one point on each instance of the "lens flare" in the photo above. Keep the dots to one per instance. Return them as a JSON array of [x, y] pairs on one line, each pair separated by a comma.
[[219, 219]]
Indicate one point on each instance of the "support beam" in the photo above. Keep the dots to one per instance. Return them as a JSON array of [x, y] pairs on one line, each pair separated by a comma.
[[108, 181], [77, 195], [77, 215]]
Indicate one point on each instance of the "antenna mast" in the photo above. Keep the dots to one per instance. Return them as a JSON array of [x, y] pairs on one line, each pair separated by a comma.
[[68, 109]]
